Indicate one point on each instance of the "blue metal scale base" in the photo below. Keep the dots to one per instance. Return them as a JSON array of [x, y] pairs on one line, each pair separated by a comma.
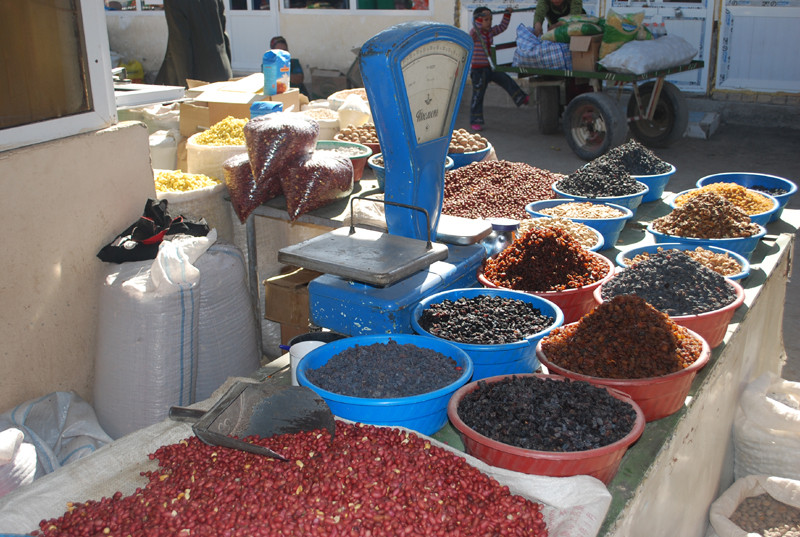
[[355, 308]]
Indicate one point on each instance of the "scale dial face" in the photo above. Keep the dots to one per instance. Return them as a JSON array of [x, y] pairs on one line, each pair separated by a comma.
[[432, 74]]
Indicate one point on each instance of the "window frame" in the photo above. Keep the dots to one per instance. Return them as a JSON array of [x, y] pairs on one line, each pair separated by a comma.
[[103, 111]]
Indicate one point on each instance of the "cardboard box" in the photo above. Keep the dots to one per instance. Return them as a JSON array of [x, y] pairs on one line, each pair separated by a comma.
[[585, 50], [214, 102], [324, 82], [286, 297]]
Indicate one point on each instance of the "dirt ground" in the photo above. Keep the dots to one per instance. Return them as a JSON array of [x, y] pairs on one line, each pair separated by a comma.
[[732, 148]]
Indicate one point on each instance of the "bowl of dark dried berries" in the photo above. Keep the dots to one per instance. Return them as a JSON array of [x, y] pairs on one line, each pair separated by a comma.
[[546, 424], [693, 295], [627, 344], [498, 328], [401, 380], [778, 187]]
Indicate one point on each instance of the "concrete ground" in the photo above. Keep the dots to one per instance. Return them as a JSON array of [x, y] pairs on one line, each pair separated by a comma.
[[747, 140]]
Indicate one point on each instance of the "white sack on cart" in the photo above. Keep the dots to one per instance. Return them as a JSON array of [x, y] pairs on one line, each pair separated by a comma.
[[60, 426], [766, 429], [784, 490], [147, 346], [573, 506], [639, 57], [227, 329]]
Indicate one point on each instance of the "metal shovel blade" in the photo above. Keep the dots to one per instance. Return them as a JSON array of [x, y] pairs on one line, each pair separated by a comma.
[[258, 409]]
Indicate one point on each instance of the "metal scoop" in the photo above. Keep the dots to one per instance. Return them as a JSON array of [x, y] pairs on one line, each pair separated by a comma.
[[257, 409]]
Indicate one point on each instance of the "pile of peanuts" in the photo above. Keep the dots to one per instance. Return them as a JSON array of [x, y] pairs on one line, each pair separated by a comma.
[[178, 181], [580, 232], [363, 134], [367, 480], [464, 141], [750, 201], [586, 209], [495, 189], [229, 131], [764, 515], [719, 263]]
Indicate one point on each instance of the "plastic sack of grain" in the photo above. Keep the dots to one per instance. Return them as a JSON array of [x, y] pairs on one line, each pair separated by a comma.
[[766, 429], [208, 159], [226, 332], [561, 34], [205, 202], [147, 345], [639, 57], [786, 491], [620, 29]]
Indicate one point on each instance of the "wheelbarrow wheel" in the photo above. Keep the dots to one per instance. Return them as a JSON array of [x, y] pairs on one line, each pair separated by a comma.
[[670, 117], [593, 124], [548, 108]]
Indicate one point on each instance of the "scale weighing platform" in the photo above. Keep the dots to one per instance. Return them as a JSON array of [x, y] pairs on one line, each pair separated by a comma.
[[414, 75]]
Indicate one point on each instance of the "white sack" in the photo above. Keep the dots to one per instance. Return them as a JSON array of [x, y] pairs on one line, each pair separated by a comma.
[[17, 461], [766, 429], [208, 159], [783, 490], [227, 330], [639, 57], [208, 202], [147, 346], [164, 149], [354, 111], [60, 426]]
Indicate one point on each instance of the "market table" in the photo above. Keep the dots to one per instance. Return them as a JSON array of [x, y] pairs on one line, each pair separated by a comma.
[[666, 481], [682, 463]]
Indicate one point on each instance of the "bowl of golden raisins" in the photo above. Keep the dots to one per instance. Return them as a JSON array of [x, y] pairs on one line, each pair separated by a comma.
[[467, 147]]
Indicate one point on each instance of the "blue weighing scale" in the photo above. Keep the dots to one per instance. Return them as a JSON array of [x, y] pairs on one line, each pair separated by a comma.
[[414, 75]]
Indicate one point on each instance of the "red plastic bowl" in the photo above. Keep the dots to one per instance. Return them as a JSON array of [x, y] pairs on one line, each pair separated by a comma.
[[601, 463], [658, 397], [574, 303], [711, 325]]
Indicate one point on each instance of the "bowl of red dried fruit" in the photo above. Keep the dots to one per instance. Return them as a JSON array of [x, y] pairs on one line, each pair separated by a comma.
[[550, 264], [628, 345]]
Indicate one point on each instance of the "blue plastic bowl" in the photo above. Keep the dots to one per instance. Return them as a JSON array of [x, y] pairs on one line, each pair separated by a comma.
[[743, 246], [622, 257], [609, 228], [425, 413], [462, 159], [380, 171], [631, 201], [656, 183], [761, 218], [751, 180], [492, 360]]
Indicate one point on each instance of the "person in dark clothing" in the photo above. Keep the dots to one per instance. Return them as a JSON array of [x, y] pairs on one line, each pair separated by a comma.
[[552, 10], [296, 75], [481, 69], [197, 45]]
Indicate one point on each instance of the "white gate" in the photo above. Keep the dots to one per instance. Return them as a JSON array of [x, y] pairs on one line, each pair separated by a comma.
[[250, 25]]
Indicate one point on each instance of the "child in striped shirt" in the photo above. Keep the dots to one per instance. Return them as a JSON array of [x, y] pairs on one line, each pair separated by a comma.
[[482, 72]]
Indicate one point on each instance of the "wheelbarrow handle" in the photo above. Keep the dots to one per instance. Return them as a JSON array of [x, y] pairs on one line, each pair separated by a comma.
[[188, 415]]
